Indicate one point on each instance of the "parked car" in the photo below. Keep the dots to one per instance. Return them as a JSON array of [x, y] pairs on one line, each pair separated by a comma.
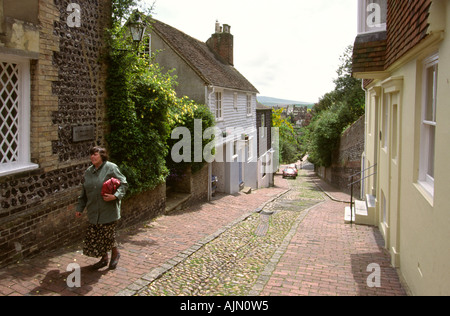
[[290, 173], [294, 166]]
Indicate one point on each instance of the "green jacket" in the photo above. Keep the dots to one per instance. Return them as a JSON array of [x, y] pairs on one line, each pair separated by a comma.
[[99, 211]]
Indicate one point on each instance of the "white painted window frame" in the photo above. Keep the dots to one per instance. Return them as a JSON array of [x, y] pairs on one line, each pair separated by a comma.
[[23, 161], [249, 105], [425, 180], [218, 95]]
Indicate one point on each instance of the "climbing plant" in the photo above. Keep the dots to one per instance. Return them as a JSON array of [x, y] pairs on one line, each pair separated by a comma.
[[142, 107]]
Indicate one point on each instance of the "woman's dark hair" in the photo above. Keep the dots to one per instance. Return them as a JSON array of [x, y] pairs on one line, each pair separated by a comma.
[[101, 151]]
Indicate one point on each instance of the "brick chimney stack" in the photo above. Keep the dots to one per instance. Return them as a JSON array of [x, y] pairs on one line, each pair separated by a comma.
[[221, 42]]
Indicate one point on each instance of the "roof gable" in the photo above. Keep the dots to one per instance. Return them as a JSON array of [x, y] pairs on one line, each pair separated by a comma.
[[209, 66]]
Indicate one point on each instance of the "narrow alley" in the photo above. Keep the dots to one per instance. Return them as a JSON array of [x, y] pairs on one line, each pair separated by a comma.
[[289, 240]]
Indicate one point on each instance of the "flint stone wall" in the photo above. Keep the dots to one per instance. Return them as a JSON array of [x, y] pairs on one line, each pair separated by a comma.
[[67, 90]]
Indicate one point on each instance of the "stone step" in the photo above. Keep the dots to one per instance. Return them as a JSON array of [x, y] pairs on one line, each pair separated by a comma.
[[176, 201], [347, 218], [360, 214], [247, 190]]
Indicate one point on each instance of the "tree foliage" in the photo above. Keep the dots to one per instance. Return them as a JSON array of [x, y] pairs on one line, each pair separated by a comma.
[[289, 149], [334, 112], [143, 107]]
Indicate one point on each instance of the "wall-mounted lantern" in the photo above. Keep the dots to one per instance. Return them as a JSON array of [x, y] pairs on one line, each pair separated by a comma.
[[137, 27]]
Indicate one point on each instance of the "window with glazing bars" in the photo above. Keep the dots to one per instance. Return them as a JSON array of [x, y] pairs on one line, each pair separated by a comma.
[[9, 112]]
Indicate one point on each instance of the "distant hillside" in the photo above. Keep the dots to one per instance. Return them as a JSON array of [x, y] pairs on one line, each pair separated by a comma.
[[269, 101]]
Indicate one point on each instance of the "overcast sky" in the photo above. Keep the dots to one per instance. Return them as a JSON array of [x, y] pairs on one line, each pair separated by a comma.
[[287, 49]]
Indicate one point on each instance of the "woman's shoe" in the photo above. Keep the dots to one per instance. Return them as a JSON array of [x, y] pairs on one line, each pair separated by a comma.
[[101, 264], [114, 262]]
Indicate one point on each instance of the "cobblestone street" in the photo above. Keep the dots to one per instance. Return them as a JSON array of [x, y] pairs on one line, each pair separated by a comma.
[[289, 240], [231, 264], [297, 245]]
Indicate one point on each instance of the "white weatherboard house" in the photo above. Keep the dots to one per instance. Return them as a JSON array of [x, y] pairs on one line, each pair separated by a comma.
[[206, 74]]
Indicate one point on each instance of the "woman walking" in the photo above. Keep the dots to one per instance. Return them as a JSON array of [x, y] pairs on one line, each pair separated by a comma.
[[103, 210]]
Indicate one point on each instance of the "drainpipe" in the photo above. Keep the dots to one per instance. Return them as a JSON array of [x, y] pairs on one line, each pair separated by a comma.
[[209, 95], [363, 184], [208, 100]]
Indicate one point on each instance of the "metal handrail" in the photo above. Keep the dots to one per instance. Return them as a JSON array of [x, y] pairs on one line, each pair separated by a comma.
[[362, 179], [363, 171], [354, 182]]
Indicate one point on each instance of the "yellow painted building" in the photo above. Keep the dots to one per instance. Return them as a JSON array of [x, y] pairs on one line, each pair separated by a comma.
[[403, 54]]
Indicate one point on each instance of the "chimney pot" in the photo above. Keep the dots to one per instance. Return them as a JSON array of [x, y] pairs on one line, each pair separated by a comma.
[[222, 42], [217, 26]]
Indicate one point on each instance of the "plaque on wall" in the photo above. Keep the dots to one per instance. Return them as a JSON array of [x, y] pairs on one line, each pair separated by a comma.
[[83, 133]]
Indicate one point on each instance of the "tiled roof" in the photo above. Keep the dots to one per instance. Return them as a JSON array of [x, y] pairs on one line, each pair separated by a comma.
[[407, 25], [209, 66], [369, 52], [260, 106]]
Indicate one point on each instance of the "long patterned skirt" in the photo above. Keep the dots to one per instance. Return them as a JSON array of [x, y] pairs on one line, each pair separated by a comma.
[[99, 239]]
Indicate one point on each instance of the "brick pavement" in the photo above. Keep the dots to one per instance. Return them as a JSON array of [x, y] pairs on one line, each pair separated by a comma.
[[327, 257], [143, 248]]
